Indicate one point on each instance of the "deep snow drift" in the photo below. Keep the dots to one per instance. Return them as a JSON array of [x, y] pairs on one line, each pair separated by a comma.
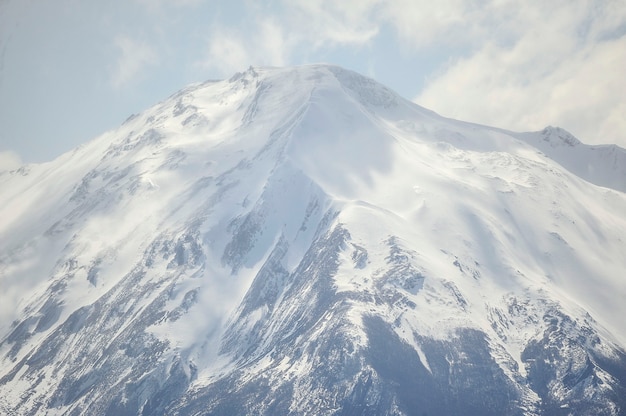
[[305, 241]]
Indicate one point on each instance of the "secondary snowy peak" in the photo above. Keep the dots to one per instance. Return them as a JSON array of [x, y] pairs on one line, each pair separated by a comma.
[[556, 136], [603, 165], [305, 241]]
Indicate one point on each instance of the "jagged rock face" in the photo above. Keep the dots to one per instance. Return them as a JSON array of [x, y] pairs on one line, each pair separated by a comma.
[[304, 241]]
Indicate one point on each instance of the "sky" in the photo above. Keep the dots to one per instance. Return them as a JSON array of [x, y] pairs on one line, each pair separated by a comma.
[[72, 69]]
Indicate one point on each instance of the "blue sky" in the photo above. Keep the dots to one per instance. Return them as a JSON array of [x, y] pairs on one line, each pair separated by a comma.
[[72, 69]]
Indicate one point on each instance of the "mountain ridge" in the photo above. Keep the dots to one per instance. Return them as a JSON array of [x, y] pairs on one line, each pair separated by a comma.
[[549, 138]]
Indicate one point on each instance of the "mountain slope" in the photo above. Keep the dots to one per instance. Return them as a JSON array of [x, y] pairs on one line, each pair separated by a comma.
[[304, 241]]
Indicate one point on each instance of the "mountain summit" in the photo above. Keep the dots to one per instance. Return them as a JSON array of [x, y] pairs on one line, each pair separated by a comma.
[[297, 241]]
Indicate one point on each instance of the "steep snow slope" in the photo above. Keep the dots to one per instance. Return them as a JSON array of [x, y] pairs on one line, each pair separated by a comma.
[[302, 240]]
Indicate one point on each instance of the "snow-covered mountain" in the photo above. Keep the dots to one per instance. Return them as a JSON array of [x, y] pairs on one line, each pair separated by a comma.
[[304, 241]]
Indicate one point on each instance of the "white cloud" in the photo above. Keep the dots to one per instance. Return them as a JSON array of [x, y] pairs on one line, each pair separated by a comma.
[[328, 22], [9, 160], [422, 23], [564, 67], [134, 57]]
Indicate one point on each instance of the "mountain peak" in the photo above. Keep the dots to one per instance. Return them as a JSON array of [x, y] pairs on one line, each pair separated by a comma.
[[305, 241], [602, 165], [557, 136]]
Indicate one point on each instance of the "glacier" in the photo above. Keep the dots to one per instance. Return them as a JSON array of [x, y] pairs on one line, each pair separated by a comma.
[[303, 240]]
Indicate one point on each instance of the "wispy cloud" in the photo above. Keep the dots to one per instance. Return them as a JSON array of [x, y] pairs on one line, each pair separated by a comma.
[[266, 36], [232, 50], [327, 23], [159, 6], [9, 160], [228, 52], [134, 56]]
